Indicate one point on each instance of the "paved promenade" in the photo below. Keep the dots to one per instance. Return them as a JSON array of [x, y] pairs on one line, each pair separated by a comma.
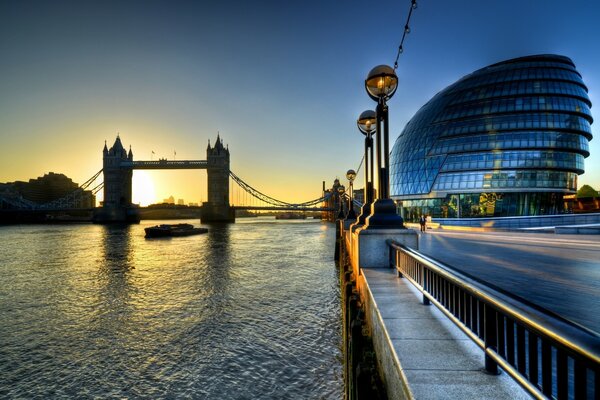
[[421, 354], [424, 354]]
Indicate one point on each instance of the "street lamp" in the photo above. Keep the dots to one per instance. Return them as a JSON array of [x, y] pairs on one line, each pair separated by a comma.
[[381, 84], [366, 124], [351, 175], [333, 198], [340, 191]]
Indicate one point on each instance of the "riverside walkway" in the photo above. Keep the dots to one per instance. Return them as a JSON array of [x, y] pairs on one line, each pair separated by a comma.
[[421, 353], [426, 356]]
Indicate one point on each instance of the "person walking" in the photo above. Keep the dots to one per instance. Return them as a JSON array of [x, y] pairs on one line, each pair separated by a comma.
[[422, 221]]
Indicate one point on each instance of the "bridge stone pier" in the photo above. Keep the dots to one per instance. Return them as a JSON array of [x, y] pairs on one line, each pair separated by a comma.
[[117, 206], [118, 166], [217, 208]]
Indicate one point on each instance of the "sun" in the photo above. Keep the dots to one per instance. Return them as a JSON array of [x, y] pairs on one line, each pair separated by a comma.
[[143, 188]]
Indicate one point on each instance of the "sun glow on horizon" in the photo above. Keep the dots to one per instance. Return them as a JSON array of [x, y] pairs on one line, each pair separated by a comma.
[[143, 192]]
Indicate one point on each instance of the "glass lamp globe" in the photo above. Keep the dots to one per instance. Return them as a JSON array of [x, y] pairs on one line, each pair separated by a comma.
[[366, 122], [381, 83], [351, 175]]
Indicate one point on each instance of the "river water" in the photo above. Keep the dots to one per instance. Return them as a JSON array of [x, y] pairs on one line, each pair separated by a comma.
[[247, 311]]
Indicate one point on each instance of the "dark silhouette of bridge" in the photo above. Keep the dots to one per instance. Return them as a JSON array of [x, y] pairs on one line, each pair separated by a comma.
[[117, 172], [116, 181]]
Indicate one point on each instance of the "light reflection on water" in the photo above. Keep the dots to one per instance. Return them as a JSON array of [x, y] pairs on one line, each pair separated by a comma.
[[249, 310]]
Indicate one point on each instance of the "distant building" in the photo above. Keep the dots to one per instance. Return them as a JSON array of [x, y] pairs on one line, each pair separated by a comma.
[[43, 190], [359, 194], [180, 202], [170, 200], [10, 199], [507, 140]]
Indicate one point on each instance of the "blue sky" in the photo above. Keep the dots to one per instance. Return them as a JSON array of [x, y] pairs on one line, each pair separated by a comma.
[[281, 81]]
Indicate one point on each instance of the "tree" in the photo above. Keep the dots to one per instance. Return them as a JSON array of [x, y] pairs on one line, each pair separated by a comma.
[[587, 191]]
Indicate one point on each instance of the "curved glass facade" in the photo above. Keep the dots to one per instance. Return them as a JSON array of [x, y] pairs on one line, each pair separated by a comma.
[[506, 140]]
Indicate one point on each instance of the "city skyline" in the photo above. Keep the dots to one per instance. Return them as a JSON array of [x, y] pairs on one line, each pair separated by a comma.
[[283, 86]]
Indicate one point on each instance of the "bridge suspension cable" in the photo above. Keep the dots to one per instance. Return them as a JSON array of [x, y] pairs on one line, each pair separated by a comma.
[[97, 188], [87, 183], [74, 198], [360, 164], [271, 200]]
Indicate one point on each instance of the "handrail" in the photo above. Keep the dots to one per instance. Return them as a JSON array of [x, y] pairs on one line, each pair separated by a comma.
[[548, 356]]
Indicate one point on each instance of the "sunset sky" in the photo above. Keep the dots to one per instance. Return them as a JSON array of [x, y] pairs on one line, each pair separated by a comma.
[[282, 81]]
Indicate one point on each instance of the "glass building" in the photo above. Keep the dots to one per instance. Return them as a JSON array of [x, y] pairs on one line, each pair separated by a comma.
[[507, 140]]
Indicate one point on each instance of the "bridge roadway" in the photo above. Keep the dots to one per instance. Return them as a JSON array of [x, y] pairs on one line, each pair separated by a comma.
[[558, 272], [166, 164]]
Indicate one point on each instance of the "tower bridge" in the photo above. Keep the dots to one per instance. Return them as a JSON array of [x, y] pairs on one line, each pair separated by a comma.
[[118, 165], [117, 173]]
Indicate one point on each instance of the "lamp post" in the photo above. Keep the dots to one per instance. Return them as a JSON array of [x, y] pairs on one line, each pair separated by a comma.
[[351, 175], [337, 191], [381, 84], [366, 124], [340, 191]]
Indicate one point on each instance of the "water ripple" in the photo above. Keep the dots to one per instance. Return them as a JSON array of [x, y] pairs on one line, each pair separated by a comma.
[[247, 311]]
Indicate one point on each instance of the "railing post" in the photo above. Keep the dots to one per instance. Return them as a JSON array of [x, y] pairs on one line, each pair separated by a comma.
[[399, 257], [398, 263], [580, 373], [490, 338], [546, 368], [426, 301]]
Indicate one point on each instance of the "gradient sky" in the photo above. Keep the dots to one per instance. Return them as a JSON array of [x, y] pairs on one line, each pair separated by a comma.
[[281, 81]]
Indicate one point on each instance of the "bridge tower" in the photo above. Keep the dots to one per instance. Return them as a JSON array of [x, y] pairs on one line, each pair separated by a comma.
[[217, 208], [117, 185]]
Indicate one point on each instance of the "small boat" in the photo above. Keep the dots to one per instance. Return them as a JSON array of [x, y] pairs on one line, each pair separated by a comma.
[[167, 230]]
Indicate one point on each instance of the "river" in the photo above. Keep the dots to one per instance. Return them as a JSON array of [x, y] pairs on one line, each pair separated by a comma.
[[247, 311]]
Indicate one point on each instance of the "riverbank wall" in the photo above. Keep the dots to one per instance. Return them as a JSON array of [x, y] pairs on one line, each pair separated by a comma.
[[361, 375]]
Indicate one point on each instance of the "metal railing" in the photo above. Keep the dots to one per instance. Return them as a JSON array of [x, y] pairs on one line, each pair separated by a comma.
[[548, 356]]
